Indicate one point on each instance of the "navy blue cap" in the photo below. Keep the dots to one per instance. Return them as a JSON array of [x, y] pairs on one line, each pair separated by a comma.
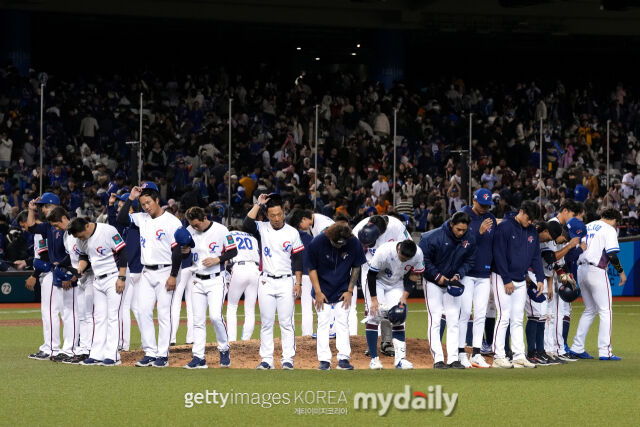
[[483, 197], [124, 197], [49, 198], [149, 185]]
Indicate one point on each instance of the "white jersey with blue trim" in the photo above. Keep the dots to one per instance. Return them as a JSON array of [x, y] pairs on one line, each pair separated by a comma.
[[601, 240], [71, 246], [39, 245], [101, 248], [320, 223], [210, 244], [395, 232], [156, 237], [277, 248], [551, 245], [248, 247], [391, 270]]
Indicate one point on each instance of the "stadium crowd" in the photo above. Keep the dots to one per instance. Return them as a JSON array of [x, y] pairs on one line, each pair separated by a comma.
[[88, 122]]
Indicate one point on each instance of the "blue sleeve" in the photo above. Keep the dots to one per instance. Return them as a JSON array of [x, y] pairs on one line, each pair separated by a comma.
[[40, 228], [312, 257], [536, 261], [112, 214], [500, 240], [431, 272], [573, 254], [469, 259]]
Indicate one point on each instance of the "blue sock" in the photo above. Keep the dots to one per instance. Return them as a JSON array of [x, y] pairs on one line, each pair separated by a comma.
[[470, 333], [372, 342], [489, 324], [398, 335], [540, 336], [531, 331], [443, 324]]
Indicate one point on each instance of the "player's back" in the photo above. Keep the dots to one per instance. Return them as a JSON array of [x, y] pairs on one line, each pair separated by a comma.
[[248, 247]]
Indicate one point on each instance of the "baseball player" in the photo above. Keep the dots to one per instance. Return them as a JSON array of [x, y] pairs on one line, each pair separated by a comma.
[[59, 218], [131, 237], [477, 287], [575, 228], [63, 301], [393, 272], [103, 247], [161, 258], [515, 249], [41, 273], [245, 273], [184, 287], [211, 246], [373, 232], [281, 254], [602, 249], [449, 252], [335, 258]]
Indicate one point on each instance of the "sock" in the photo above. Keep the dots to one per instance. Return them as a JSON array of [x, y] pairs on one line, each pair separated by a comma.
[[540, 336], [469, 338], [489, 324], [461, 350], [443, 324], [476, 350], [531, 331], [398, 335], [507, 344], [372, 341], [566, 323]]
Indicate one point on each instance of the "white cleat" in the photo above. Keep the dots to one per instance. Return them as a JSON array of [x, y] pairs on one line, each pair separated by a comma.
[[404, 364], [478, 361], [375, 364], [502, 362], [464, 360], [523, 363]]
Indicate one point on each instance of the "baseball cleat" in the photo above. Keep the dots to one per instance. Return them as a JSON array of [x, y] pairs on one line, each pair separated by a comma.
[[502, 362], [225, 360], [287, 366], [387, 349], [612, 357], [41, 355], [523, 363], [60, 357], [91, 362], [145, 361], [568, 358], [404, 364], [314, 336], [78, 358], [196, 363], [486, 349], [464, 360], [478, 361], [161, 362], [440, 365], [544, 356], [366, 352], [344, 365], [456, 365], [375, 364], [264, 366], [111, 362], [556, 360], [324, 366], [172, 344], [583, 355]]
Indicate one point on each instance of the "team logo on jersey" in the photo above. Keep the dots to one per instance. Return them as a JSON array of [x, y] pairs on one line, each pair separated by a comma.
[[230, 240], [42, 243], [117, 239], [75, 249], [212, 247], [465, 244], [101, 250], [160, 233], [530, 239], [372, 251], [388, 272], [286, 246]]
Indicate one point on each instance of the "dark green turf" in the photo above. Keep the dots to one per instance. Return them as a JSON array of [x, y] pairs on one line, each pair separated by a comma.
[[581, 393]]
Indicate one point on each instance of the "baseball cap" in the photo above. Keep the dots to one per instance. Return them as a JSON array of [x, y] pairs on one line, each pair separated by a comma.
[[49, 198], [149, 186], [576, 228], [124, 197], [554, 228], [483, 197]]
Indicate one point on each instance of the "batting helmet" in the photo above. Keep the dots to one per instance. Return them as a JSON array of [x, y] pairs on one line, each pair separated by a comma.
[[532, 291], [455, 288], [397, 314], [40, 265], [568, 292], [183, 237], [369, 234]]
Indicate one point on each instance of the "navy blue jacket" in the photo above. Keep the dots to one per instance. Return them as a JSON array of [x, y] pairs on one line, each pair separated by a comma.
[[334, 265], [484, 243], [55, 241], [306, 238], [444, 255], [515, 250], [571, 260], [131, 236]]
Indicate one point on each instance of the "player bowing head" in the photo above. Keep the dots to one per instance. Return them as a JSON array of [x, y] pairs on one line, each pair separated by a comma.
[[406, 250], [459, 224], [197, 218], [529, 212]]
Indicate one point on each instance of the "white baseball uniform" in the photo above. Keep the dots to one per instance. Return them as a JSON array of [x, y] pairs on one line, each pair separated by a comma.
[[601, 240], [156, 241], [245, 273], [101, 248], [184, 286], [395, 232], [275, 289], [209, 287], [48, 307]]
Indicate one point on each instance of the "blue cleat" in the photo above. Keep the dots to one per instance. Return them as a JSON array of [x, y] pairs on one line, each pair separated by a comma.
[[145, 361], [344, 365], [111, 362], [332, 336], [612, 357], [264, 366], [583, 355], [161, 362], [324, 366], [287, 366], [225, 360], [196, 363], [91, 362]]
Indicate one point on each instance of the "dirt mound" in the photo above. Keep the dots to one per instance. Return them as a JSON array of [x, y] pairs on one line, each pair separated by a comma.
[[245, 354]]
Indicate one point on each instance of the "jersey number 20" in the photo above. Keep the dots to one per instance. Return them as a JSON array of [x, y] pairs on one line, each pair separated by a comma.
[[244, 243]]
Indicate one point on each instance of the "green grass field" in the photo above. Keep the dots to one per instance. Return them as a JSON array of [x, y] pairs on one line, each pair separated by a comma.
[[583, 392]]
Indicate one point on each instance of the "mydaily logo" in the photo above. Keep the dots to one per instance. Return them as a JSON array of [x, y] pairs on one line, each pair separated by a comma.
[[433, 400]]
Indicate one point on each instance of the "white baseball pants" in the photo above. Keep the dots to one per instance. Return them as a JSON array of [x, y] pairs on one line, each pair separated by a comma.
[[85, 313], [476, 294], [184, 286], [107, 304], [128, 306], [244, 279], [439, 301], [152, 289], [341, 327], [306, 304], [208, 293], [50, 307], [276, 295], [509, 312]]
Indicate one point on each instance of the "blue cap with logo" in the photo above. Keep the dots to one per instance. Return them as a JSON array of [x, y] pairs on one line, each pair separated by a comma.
[[124, 197], [483, 197], [49, 198], [576, 228], [149, 186]]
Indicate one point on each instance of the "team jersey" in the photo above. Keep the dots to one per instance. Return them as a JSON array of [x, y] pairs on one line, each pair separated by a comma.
[[395, 232], [210, 243], [277, 247], [387, 262], [601, 240], [248, 247], [101, 248], [156, 237], [71, 246], [39, 245], [551, 245], [320, 223]]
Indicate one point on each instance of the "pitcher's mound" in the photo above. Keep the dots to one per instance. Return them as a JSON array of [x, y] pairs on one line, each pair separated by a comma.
[[246, 354]]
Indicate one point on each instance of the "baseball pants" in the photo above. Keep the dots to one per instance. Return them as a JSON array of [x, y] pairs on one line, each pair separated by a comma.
[[326, 316], [439, 302], [596, 294], [208, 293], [107, 304], [85, 313], [276, 295], [476, 294], [509, 313], [384, 329], [152, 290], [244, 279], [306, 304], [184, 286], [557, 312], [70, 320], [128, 306], [49, 308]]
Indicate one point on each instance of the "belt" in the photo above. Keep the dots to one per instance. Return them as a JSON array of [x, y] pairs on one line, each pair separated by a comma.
[[156, 266], [102, 276], [590, 263], [206, 276], [279, 277], [244, 263]]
